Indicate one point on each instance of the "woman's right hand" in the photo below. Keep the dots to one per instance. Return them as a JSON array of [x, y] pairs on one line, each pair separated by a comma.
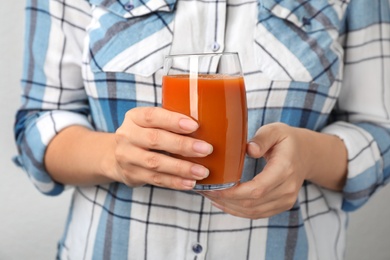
[[143, 140]]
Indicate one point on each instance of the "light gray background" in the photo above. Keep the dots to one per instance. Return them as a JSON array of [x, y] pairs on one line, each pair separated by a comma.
[[30, 223]]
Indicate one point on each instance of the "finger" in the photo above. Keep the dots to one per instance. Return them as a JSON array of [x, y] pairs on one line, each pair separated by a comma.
[[158, 139], [265, 138], [285, 194], [156, 117], [140, 176], [158, 162], [252, 209], [266, 211], [257, 188], [238, 192]]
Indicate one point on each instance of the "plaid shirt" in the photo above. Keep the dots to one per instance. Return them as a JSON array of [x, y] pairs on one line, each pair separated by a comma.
[[320, 64]]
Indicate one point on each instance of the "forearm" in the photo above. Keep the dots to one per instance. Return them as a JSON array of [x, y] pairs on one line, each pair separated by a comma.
[[79, 156], [329, 161]]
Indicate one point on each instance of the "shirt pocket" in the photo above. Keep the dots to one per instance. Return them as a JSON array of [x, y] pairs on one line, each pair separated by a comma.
[[129, 36], [299, 40]]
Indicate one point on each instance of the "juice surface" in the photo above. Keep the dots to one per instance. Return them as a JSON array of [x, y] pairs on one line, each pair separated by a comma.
[[222, 118]]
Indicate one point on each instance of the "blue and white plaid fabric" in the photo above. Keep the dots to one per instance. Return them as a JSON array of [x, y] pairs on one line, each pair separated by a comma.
[[319, 64]]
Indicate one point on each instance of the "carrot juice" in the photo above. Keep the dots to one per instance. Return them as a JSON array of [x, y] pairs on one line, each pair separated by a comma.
[[221, 112]]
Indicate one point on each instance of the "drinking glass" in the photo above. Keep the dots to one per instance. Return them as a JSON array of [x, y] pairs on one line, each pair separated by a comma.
[[210, 89]]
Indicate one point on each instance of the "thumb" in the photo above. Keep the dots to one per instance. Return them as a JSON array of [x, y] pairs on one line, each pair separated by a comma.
[[265, 138]]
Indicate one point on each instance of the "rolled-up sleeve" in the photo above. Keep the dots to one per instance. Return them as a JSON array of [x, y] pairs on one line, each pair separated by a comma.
[[362, 117], [53, 96]]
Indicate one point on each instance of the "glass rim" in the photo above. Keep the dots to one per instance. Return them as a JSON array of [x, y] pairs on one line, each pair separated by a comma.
[[200, 54]]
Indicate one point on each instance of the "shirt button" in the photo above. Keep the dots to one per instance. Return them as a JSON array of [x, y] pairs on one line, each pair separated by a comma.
[[197, 248], [129, 6], [216, 46]]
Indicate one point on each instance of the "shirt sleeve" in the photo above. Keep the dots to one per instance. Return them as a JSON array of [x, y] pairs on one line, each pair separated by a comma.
[[53, 96], [362, 116]]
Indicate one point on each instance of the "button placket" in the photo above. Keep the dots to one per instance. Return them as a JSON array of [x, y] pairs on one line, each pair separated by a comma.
[[129, 6], [199, 247], [217, 45]]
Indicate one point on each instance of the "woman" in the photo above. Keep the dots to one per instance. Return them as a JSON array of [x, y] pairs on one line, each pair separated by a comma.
[[317, 80]]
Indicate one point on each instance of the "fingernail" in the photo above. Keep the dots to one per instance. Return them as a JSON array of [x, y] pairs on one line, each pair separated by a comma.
[[200, 171], [188, 124], [202, 147], [254, 147], [189, 183]]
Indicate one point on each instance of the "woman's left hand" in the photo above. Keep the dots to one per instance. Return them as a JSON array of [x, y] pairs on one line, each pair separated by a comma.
[[292, 155]]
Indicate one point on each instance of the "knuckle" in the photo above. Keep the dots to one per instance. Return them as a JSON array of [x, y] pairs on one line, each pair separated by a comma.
[[256, 193], [273, 127], [129, 113], [176, 183], [292, 189], [278, 128], [153, 161], [290, 203], [288, 169], [248, 204], [120, 135], [252, 214], [153, 137], [157, 179], [132, 182], [180, 142], [169, 117], [148, 114], [119, 155], [178, 166]]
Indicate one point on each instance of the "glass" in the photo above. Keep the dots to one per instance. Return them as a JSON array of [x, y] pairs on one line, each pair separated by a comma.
[[210, 89]]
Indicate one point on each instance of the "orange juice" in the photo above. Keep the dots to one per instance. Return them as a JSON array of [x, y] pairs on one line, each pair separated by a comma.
[[222, 117]]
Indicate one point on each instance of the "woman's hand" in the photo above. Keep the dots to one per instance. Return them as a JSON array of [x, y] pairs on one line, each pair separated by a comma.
[[142, 142], [135, 154], [293, 155]]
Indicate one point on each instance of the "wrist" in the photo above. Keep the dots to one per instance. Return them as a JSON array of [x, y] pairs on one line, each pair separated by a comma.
[[76, 154], [107, 167], [329, 160]]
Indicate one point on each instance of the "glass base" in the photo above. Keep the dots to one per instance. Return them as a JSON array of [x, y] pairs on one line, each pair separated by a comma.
[[199, 187]]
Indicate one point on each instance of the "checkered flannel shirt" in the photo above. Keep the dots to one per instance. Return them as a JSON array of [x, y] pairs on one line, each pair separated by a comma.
[[320, 64]]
